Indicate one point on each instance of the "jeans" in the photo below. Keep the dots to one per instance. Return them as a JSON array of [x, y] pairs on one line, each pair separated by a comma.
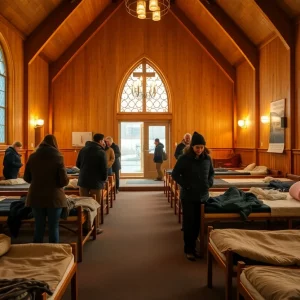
[[40, 215], [191, 221], [109, 171]]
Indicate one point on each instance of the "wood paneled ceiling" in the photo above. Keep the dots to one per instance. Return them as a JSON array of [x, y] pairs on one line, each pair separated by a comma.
[[79, 20], [26, 15], [195, 11]]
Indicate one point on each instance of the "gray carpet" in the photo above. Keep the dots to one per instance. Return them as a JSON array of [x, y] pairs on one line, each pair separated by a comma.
[[140, 256]]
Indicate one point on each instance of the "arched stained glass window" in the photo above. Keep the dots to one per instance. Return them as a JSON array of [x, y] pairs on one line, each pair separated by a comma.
[[144, 91], [2, 97]]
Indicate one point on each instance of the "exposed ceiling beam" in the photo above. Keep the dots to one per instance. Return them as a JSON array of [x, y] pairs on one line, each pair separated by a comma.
[[283, 25], [246, 47], [211, 50], [35, 42], [57, 66]]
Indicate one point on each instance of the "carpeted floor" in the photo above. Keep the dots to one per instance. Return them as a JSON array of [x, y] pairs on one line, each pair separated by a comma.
[[140, 256]]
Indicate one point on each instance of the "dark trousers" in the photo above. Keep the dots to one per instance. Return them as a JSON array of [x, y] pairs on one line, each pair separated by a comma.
[[53, 215], [117, 174], [191, 221]]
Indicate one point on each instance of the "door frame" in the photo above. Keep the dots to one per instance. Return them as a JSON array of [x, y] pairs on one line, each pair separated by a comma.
[[152, 121]]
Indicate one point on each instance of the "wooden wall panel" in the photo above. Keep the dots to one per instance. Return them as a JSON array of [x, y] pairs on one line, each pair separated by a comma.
[[38, 91], [248, 155], [275, 161], [70, 156], [274, 85], [296, 160], [245, 106], [297, 86], [85, 93], [12, 45]]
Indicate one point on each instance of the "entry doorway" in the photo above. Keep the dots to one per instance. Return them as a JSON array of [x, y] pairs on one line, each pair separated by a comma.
[[137, 147]]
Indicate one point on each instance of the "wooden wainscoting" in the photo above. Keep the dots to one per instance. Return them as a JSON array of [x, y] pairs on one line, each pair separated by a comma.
[[70, 156], [276, 161], [248, 155], [221, 153], [296, 161]]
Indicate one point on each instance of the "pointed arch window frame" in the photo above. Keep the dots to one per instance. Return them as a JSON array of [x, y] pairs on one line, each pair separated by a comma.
[[3, 95], [144, 62]]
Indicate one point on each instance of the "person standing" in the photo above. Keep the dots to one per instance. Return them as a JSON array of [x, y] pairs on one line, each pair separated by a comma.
[[116, 167], [110, 156], [158, 159], [194, 173], [12, 161], [92, 163], [185, 142], [46, 173]]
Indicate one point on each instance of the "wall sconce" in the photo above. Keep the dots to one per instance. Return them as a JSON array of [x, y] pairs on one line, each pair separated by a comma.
[[38, 123], [265, 119], [243, 123]]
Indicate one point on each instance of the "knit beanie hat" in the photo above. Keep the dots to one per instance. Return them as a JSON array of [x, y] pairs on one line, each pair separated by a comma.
[[197, 139]]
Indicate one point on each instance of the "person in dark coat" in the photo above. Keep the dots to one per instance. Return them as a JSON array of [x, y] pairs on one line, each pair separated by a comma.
[[194, 173], [158, 158], [12, 161], [92, 163], [46, 173], [180, 147], [116, 167]]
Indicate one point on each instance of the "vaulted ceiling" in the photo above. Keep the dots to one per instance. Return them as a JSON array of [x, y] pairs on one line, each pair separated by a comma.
[[234, 28]]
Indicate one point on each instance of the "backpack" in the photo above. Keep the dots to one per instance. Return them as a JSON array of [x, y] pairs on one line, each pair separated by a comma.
[[164, 155]]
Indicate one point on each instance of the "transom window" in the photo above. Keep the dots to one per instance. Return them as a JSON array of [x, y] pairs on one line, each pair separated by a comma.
[[144, 91], [2, 97]]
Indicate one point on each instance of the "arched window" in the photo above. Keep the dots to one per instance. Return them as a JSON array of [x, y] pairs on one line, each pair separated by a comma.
[[144, 91], [3, 85]]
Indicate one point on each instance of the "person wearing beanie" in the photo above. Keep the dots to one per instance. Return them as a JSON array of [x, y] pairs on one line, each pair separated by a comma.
[[180, 147], [158, 159], [46, 173], [194, 173]]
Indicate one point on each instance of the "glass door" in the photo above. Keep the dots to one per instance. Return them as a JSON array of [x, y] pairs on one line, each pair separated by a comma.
[[137, 147]]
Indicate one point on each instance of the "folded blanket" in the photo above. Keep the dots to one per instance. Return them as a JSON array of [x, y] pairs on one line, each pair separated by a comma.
[[279, 247], [13, 181], [72, 184], [88, 204], [22, 289], [267, 194]]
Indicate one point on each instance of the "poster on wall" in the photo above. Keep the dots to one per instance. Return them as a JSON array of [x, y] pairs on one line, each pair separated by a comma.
[[276, 139]]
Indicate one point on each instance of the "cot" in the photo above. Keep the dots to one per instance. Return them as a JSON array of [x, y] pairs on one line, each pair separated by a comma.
[[54, 264], [78, 217], [227, 246], [267, 282]]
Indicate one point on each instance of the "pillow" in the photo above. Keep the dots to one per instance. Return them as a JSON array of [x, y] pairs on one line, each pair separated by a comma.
[[250, 167], [13, 181], [4, 244], [295, 190], [262, 169]]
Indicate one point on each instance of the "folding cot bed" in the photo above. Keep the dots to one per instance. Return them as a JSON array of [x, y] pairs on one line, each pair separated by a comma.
[[267, 282], [52, 265], [77, 217], [228, 246], [287, 210]]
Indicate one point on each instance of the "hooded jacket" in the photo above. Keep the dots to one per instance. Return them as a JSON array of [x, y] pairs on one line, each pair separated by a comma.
[[179, 149], [158, 153], [92, 163], [46, 173], [11, 163], [195, 176]]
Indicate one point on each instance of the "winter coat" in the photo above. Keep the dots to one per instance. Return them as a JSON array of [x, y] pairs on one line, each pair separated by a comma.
[[110, 156], [11, 163], [92, 163], [195, 176], [46, 173], [117, 164], [158, 153], [179, 149]]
